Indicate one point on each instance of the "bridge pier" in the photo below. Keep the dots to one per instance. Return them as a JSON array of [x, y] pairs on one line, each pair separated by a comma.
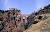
[[25, 19]]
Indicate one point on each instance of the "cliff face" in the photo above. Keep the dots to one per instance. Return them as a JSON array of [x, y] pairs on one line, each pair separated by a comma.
[[12, 20]]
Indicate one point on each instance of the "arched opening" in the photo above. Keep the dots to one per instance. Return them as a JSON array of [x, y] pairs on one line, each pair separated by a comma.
[[24, 19], [25, 22]]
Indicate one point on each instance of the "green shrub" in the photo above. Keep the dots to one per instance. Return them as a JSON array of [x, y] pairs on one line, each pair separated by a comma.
[[6, 11], [2, 11], [16, 25], [18, 20], [40, 17], [48, 10], [36, 13], [9, 20], [44, 18], [10, 30], [15, 22], [13, 13], [35, 22], [26, 26], [14, 18]]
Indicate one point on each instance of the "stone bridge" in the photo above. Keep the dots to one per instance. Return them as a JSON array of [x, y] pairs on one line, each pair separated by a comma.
[[25, 18]]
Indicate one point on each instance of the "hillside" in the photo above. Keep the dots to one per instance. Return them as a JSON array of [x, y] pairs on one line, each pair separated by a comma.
[[39, 21], [42, 26], [40, 15]]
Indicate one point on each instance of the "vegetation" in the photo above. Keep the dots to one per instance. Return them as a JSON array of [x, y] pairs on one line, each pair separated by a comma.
[[48, 11], [47, 7], [18, 10], [36, 13], [1, 19], [35, 22], [14, 18], [9, 20], [13, 13], [1, 26], [16, 25], [6, 11], [26, 26], [2, 11], [40, 17], [18, 20], [15, 22], [44, 18]]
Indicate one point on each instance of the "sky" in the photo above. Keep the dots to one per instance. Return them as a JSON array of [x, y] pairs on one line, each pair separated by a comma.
[[26, 6]]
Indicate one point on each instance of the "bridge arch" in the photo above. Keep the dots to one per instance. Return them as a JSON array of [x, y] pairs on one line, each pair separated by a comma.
[[25, 19]]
